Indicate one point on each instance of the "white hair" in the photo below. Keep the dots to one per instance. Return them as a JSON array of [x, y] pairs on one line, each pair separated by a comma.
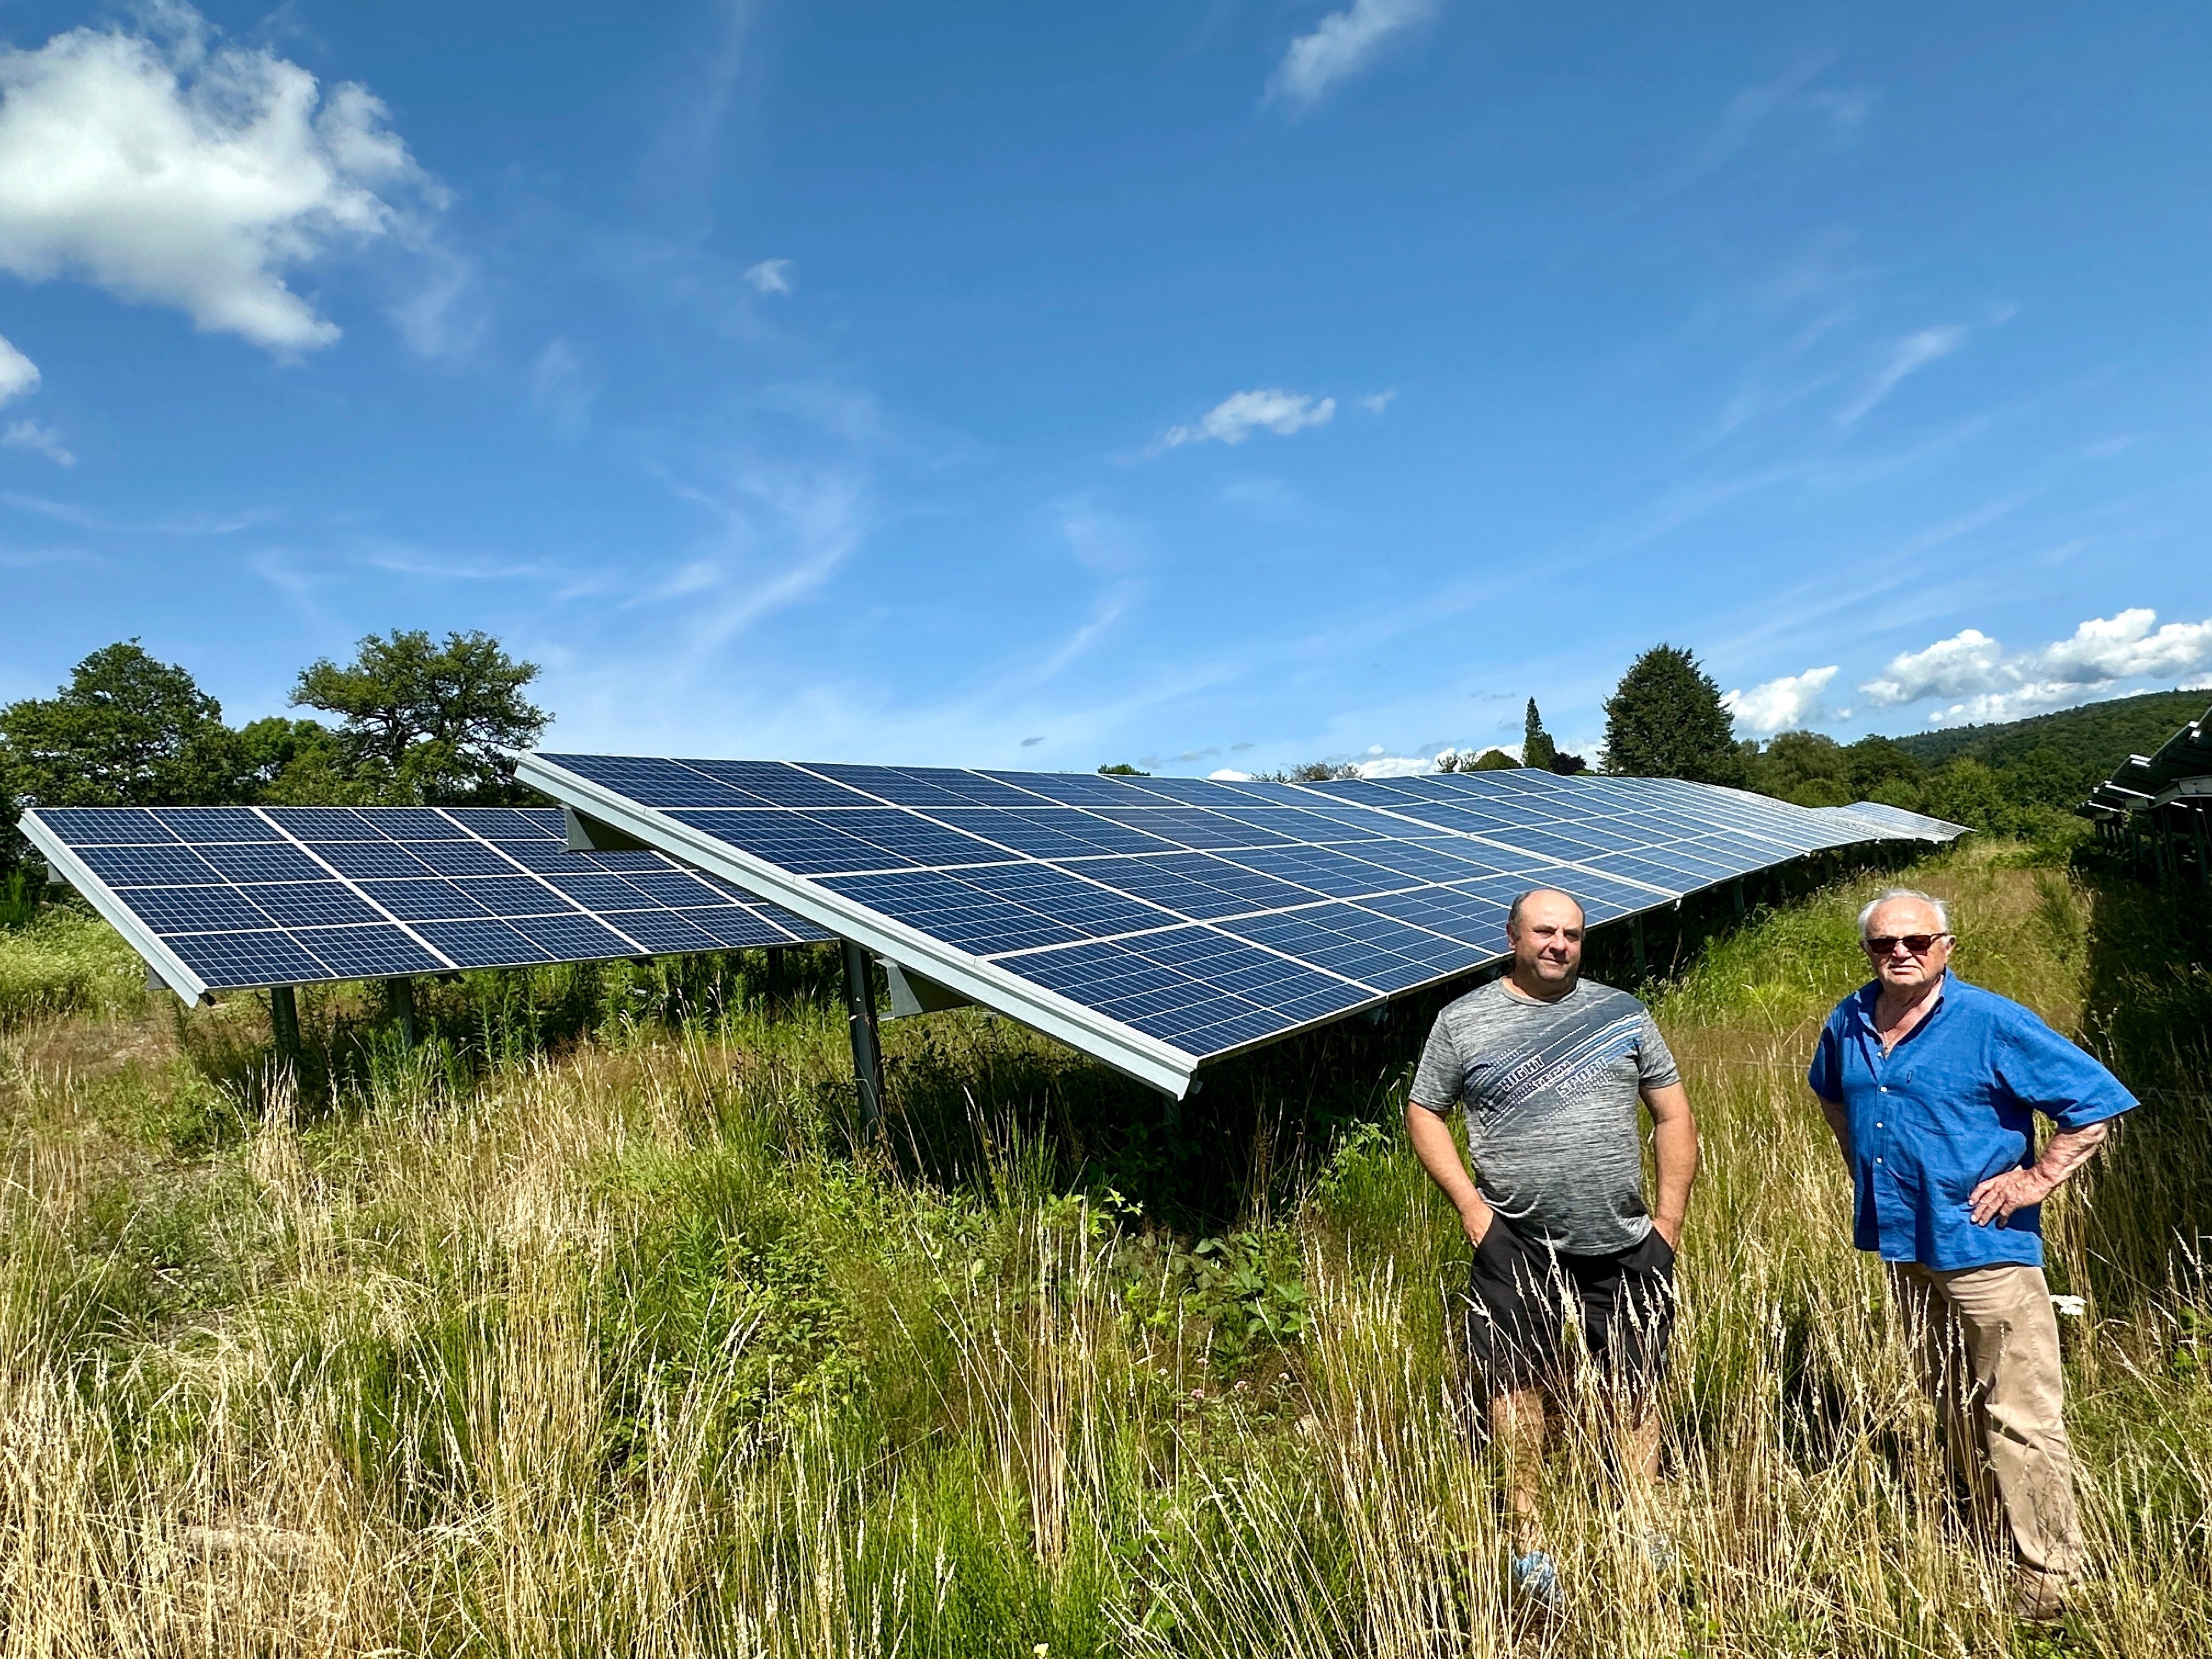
[[1942, 910]]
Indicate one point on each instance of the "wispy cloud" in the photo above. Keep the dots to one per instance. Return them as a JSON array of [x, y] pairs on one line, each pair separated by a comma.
[[1378, 402], [1908, 357], [83, 518], [30, 434], [1833, 115], [771, 275], [1237, 417], [1341, 46], [563, 388]]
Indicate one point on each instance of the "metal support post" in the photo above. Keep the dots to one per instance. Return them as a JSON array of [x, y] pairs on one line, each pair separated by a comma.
[[1635, 938], [1737, 887], [775, 978], [860, 1023], [284, 1022], [399, 998]]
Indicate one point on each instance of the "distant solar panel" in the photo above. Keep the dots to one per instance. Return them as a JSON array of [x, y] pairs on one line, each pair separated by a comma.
[[1896, 817], [220, 897], [1157, 923]]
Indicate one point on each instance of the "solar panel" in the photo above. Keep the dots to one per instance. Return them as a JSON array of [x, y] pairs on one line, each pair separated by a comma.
[[1160, 923], [219, 898]]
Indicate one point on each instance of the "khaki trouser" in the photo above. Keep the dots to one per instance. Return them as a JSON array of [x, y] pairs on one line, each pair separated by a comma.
[[1986, 1341]]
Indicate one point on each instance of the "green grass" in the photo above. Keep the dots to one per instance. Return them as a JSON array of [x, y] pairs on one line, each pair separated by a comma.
[[594, 1325]]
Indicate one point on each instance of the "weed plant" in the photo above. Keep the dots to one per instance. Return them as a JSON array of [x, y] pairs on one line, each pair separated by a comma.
[[592, 1324]]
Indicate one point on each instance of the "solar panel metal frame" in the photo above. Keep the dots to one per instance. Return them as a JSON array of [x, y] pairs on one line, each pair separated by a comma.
[[1778, 831], [64, 855]]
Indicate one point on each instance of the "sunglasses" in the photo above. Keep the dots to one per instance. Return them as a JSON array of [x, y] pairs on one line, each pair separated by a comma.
[[1919, 945]]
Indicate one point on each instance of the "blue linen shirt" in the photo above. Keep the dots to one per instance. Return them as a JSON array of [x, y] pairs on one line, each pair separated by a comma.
[[1948, 1108]]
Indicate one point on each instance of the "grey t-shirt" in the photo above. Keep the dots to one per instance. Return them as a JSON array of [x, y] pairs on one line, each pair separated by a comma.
[[1551, 1090]]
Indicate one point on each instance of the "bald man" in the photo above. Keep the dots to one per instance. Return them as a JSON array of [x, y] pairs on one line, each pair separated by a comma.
[[1550, 1068]]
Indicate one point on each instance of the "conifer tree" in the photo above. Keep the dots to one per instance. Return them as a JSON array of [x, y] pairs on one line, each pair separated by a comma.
[[1665, 719], [1537, 748]]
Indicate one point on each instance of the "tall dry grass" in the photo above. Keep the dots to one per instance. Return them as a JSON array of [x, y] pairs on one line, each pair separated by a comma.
[[624, 1347]]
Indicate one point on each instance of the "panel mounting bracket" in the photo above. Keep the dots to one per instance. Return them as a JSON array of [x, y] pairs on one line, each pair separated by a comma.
[[912, 993], [586, 833]]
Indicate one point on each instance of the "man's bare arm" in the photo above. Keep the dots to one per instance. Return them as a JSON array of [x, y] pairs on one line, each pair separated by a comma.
[[1433, 1144], [1674, 1150], [1997, 1197]]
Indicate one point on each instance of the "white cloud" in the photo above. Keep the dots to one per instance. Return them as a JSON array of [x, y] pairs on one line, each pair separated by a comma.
[[172, 173], [1378, 403], [1236, 418], [29, 435], [1990, 685], [771, 275], [2119, 648], [1780, 705], [1229, 775], [1969, 661], [1342, 44], [1914, 352], [18, 373]]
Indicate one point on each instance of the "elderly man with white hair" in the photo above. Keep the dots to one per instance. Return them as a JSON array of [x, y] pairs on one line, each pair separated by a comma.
[[1931, 1085]]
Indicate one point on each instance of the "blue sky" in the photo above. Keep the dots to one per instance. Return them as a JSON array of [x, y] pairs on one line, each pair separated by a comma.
[[1207, 386]]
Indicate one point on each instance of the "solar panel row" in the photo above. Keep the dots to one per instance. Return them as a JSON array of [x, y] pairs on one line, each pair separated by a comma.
[[292, 895], [1174, 919]]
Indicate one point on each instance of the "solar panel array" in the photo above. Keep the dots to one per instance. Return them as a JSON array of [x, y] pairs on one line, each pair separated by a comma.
[[1159, 922], [222, 897]]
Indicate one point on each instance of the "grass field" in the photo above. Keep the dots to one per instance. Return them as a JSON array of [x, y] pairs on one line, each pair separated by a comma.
[[590, 1326]]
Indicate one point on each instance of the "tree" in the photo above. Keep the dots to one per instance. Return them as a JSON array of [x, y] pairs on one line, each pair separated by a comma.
[[1491, 760], [1537, 748], [1123, 769], [424, 722], [290, 762], [1665, 719], [126, 731]]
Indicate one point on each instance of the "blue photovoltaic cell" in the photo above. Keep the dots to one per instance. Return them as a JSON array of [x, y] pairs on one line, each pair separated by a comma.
[[260, 861], [148, 866], [1092, 910], [425, 900], [278, 896], [246, 957], [93, 826], [312, 904], [485, 944], [955, 911], [218, 823], [370, 952], [365, 860], [1210, 914]]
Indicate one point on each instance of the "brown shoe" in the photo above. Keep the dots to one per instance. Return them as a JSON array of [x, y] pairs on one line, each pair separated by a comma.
[[2040, 1597]]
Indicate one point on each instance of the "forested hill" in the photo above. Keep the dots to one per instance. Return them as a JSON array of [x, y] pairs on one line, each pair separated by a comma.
[[2095, 737]]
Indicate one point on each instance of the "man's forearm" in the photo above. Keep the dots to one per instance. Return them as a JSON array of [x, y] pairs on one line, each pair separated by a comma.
[[1439, 1154], [2067, 1151], [1674, 1150]]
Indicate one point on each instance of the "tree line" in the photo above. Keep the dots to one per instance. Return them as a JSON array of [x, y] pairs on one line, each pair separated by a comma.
[[1666, 719], [413, 721]]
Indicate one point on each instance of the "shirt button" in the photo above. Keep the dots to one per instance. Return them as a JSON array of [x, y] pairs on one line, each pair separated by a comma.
[[1877, 1123], [1885, 1088], [1877, 1160]]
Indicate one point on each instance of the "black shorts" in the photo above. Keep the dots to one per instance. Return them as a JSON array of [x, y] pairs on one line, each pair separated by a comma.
[[1519, 1296]]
